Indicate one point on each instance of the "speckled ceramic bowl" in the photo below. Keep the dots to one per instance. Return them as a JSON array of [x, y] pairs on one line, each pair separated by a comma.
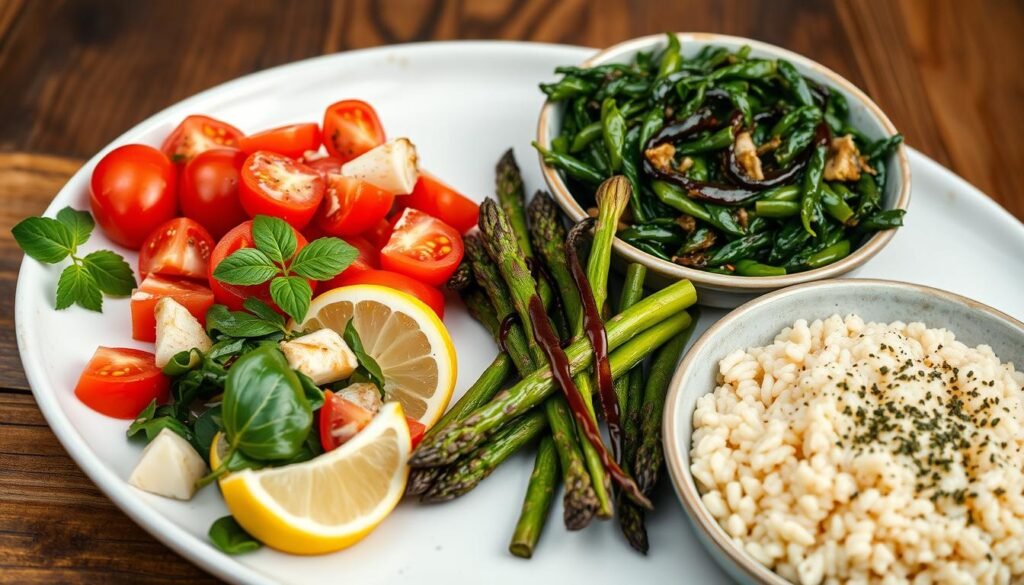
[[719, 290], [756, 324]]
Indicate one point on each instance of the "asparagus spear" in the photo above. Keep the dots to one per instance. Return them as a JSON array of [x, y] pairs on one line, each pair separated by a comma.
[[512, 198], [580, 500], [649, 455], [468, 472], [539, 494], [461, 279], [632, 335], [486, 386], [630, 394]]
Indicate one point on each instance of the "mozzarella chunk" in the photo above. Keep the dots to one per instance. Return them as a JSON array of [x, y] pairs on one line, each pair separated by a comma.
[[177, 331], [169, 467], [392, 166], [322, 355], [363, 394]]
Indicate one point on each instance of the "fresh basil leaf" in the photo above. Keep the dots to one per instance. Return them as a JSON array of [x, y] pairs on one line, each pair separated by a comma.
[[206, 427], [247, 266], [227, 535], [239, 323], [152, 420], [274, 237], [292, 294], [265, 412], [45, 239], [366, 361], [324, 258], [227, 348], [76, 285], [112, 274], [183, 361], [79, 222], [263, 311], [314, 394]]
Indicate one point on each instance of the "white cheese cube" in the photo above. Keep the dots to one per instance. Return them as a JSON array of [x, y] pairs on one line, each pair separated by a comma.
[[392, 166], [169, 467], [177, 331], [322, 355]]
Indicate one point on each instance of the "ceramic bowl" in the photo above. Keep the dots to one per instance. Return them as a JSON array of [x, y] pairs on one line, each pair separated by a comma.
[[756, 324], [718, 290]]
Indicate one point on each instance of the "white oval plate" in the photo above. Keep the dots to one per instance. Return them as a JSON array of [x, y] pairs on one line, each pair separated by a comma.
[[463, 104]]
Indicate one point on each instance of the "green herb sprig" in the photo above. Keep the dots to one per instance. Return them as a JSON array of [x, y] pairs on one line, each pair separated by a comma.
[[229, 536], [89, 277], [275, 260], [368, 369]]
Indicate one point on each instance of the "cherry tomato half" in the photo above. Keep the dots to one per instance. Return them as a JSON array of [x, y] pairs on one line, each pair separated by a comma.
[[120, 382], [234, 295], [423, 247], [351, 127], [180, 247], [293, 141], [198, 134], [368, 259], [416, 431], [281, 187], [433, 197], [428, 294], [380, 233], [133, 189], [193, 296], [340, 420], [324, 165], [351, 206], [209, 190]]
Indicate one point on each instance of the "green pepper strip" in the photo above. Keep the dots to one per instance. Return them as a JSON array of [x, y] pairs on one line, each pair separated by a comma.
[[571, 165], [672, 58], [613, 128], [797, 83], [776, 209], [674, 197], [811, 196], [833, 253], [748, 267], [835, 206], [712, 142]]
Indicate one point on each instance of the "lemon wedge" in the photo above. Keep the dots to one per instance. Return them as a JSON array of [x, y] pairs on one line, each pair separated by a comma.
[[409, 342], [329, 502]]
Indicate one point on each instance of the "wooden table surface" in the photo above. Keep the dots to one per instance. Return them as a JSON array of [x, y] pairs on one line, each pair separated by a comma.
[[75, 74]]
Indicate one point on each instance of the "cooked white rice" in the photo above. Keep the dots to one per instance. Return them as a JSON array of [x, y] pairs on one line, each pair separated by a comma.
[[852, 452]]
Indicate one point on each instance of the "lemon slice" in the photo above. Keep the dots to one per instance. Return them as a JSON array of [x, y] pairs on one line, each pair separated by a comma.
[[406, 338], [330, 502]]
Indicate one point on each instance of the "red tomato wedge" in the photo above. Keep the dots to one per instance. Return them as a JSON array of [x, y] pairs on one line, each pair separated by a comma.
[[428, 294], [380, 233], [422, 247], [180, 247], [209, 190], [193, 296], [433, 197], [198, 134], [133, 189], [276, 185], [351, 127], [120, 382], [293, 141], [325, 165], [340, 420], [416, 431], [368, 259], [234, 295], [351, 206]]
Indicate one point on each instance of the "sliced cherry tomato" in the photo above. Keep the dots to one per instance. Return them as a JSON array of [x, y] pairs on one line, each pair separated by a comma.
[[416, 431], [368, 259], [133, 189], [193, 296], [293, 141], [180, 247], [428, 294], [120, 382], [234, 295], [423, 247], [209, 190], [380, 233], [351, 127], [198, 134], [351, 206], [325, 165], [340, 420], [433, 197], [277, 185]]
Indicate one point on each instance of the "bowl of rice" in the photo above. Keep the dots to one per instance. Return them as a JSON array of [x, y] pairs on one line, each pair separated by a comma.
[[854, 431]]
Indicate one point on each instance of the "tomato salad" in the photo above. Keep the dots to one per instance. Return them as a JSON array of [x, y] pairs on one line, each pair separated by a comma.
[[235, 235]]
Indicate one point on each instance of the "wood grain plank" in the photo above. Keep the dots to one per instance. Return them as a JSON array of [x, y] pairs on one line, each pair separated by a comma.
[[56, 526]]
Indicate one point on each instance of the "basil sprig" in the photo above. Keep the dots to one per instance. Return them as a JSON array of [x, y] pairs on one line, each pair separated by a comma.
[[229, 536], [275, 259], [89, 277]]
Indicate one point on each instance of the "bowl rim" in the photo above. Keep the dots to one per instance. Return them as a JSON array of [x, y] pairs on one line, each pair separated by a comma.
[[682, 480], [710, 280]]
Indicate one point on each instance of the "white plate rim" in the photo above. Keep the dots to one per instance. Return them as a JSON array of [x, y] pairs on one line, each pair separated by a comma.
[[113, 486]]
